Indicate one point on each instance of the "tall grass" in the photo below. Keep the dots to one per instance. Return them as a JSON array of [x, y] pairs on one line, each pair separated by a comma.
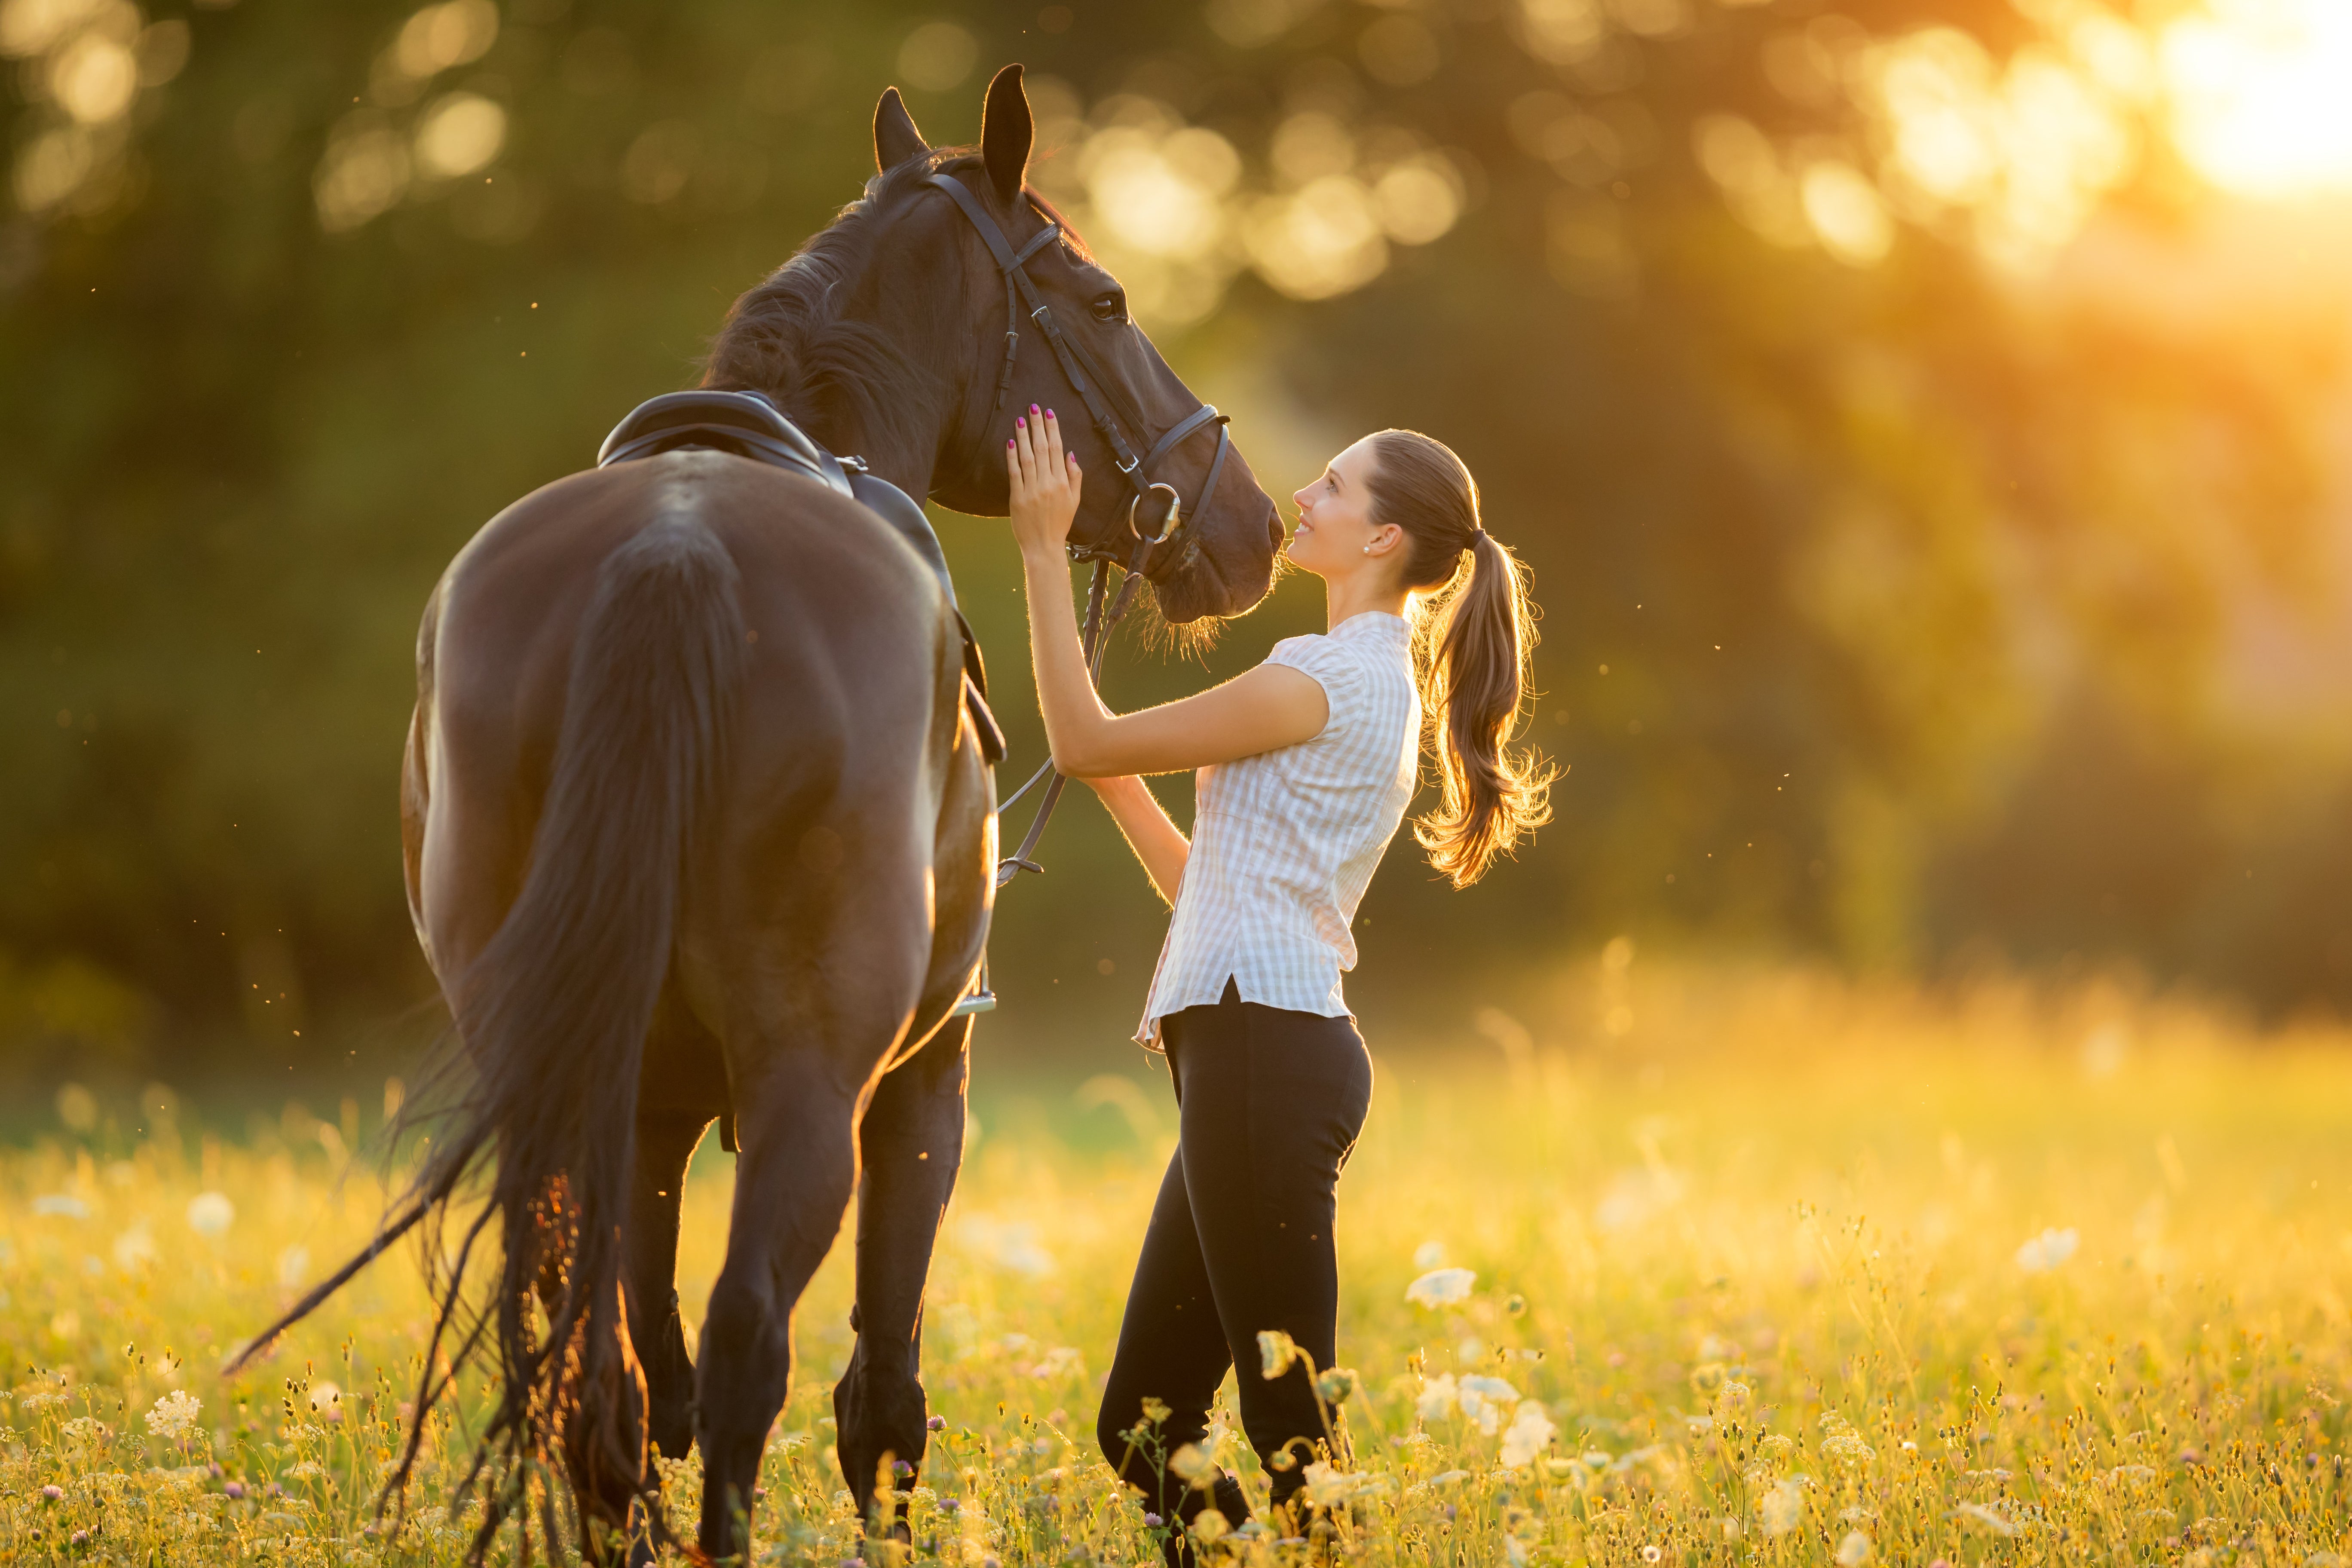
[[1759, 1268]]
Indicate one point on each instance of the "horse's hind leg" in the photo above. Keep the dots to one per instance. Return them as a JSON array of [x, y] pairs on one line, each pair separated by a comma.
[[912, 1143], [666, 1142], [798, 1165]]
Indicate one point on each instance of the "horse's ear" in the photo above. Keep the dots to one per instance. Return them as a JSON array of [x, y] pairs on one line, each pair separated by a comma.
[[1007, 133], [896, 140]]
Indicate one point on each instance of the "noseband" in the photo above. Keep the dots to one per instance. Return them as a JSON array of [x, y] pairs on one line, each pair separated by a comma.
[[1020, 290]]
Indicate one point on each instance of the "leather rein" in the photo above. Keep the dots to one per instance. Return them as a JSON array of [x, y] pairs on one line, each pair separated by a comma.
[[1019, 291]]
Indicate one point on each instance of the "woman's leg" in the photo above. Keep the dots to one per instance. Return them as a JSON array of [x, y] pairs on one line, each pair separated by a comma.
[[1172, 1349], [1273, 1101]]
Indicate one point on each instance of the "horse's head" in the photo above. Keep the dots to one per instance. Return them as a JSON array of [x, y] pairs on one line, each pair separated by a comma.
[[1219, 559]]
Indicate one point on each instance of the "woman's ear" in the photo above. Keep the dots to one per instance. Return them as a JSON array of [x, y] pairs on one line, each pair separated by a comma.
[[1387, 539]]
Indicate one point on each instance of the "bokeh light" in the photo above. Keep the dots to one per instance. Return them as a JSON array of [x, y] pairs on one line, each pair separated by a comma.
[[1177, 212], [2260, 100]]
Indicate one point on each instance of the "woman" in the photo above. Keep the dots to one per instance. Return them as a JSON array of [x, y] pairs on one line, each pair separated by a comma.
[[1307, 764]]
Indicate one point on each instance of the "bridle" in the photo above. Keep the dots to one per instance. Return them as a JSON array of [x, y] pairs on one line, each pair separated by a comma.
[[1019, 290]]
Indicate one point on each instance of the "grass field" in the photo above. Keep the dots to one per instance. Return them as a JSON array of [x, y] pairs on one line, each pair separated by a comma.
[[1763, 1268]]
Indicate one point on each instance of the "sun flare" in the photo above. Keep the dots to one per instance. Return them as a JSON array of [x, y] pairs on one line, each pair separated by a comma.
[[2257, 88]]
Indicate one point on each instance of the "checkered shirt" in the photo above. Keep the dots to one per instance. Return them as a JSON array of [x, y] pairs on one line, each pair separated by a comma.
[[1284, 843]]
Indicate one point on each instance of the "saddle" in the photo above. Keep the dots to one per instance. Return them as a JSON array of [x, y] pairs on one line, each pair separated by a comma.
[[749, 425]]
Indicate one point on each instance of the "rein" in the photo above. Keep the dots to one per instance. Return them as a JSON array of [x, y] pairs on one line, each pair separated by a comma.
[[1020, 290]]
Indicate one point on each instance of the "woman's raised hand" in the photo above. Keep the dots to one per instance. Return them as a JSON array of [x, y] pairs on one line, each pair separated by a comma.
[[1044, 482]]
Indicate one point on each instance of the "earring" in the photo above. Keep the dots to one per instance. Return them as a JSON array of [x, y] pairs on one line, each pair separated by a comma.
[[1368, 550]]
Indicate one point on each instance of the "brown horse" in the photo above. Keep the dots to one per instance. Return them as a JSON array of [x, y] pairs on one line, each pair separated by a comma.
[[697, 827]]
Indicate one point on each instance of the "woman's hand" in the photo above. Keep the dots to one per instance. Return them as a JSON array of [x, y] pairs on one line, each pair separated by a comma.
[[1044, 482]]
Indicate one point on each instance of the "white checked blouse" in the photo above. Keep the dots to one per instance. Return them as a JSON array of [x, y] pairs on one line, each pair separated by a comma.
[[1284, 843]]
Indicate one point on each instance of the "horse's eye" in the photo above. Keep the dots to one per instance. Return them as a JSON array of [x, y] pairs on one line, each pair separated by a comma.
[[1111, 307]]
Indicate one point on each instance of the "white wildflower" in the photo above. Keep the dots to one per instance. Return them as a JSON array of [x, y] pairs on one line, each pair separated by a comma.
[[1846, 1450], [1276, 1351], [1977, 1513], [1530, 1432], [1853, 1550], [1486, 1401], [1327, 1487], [1440, 1288], [210, 1214], [2048, 1250], [1193, 1465], [1439, 1396], [174, 1415], [1429, 1254], [1782, 1509], [134, 1248]]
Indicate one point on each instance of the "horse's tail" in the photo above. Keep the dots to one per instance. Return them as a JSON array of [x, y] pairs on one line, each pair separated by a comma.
[[553, 1016]]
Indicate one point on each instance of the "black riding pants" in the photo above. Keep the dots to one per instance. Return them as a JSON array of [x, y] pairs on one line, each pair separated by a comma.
[[1269, 1103]]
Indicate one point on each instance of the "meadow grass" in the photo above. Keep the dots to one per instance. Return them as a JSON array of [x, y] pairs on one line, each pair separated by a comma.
[[1761, 1267]]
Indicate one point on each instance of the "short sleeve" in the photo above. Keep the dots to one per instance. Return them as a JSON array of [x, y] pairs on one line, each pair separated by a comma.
[[1330, 667]]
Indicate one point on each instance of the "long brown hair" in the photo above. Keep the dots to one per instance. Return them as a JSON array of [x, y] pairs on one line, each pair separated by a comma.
[[1473, 631]]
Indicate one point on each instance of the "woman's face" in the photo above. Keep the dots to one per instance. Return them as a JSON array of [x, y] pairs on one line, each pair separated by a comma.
[[1336, 536]]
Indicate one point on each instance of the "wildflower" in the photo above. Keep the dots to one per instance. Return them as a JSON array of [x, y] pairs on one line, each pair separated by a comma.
[[53, 1493], [1152, 1520], [1440, 1288], [38, 1401], [1707, 1377], [81, 1538], [1429, 1254], [1327, 1487], [233, 1490], [134, 1248], [1209, 1525], [2048, 1250], [1651, 1554], [1155, 1411], [1853, 1550], [1277, 1350], [210, 1214], [1532, 1432], [1846, 1450], [83, 1429], [1976, 1513], [1193, 1466], [1733, 1400], [935, 1422], [1782, 1509], [1336, 1384], [1485, 1399], [175, 1415]]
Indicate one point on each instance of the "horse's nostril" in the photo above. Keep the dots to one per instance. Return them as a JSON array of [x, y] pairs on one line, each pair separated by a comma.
[[1274, 528]]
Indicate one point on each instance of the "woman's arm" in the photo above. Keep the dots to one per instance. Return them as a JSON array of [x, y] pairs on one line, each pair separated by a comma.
[[1268, 708], [1150, 833]]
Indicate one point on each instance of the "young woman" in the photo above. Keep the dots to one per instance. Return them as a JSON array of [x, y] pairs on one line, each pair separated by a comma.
[[1306, 766]]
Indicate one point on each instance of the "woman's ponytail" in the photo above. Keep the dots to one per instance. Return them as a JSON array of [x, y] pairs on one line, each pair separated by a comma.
[[1475, 634]]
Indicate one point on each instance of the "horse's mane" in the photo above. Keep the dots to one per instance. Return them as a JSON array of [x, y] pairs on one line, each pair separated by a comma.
[[842, 379], [838, 378]]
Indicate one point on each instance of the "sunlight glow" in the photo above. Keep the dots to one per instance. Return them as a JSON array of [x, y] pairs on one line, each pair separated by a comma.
[[2259, 100]]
